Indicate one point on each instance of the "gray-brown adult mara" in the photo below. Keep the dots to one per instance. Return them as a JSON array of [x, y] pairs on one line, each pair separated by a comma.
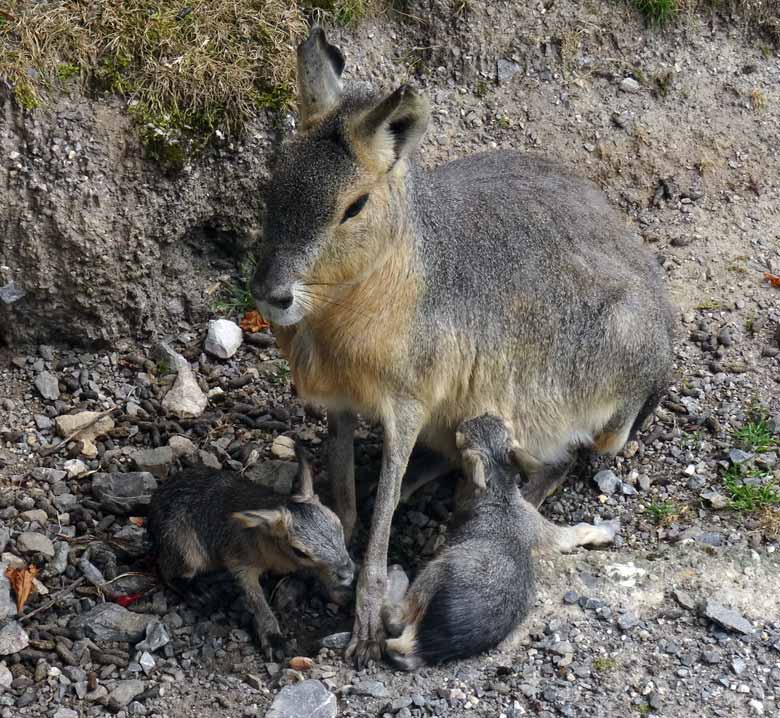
[[495, 283]]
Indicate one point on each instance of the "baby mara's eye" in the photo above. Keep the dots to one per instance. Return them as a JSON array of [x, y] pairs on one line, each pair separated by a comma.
[[299, 553], [354, 209]]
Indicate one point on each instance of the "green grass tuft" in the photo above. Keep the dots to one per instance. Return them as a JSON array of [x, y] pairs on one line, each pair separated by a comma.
[[186, 70], [750, 489], [755, 435], [662, 511], [658, 12], [235, 298], [604, 664]]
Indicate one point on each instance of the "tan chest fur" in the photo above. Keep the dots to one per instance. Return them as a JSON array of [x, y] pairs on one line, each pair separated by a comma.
[[354, 350]]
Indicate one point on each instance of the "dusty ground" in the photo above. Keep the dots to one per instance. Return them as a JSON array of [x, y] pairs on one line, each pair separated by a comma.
[[692, 157]]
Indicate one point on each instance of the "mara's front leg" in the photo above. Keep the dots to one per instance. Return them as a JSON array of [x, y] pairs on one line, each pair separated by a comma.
[[341, 467], [402, 425]]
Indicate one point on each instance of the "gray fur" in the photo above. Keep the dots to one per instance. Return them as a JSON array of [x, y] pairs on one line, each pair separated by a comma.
[[204, 520], [531, 301], [481, 586]]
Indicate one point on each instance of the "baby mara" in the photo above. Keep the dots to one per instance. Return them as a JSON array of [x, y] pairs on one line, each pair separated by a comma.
[[205, 520], [481, 587]]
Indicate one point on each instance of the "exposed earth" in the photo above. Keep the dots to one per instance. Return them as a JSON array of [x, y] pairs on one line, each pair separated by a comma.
[[681, 616]]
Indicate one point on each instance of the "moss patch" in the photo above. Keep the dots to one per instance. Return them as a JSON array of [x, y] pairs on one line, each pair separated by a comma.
[[186, 69]]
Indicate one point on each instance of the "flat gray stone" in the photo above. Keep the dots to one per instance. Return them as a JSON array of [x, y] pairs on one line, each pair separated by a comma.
[[112, 622], [506, 70], [335, 641], [727, 617], [275, 475], [124, 493], [33, 542], [124, 692], [372, 689], [154, 461], [737, 456], [65, 713], [47, 385], [307, 699], [607, 481], [13, 638], [630, 85]]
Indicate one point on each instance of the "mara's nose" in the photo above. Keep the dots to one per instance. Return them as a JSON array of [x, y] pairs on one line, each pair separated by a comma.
[[279, 297]]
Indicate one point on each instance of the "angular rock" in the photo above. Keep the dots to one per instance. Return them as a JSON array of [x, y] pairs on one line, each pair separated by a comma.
[[33, 542], [156, 637], [7, 604], [65, 713], [715, 499], [224, 338], [182, 446], [59, 563], [75, 468], [6, 677], [607, 481], [112, 622], [307, 699], [727, 617], [185, 399], [124, 493], [36, 516], [372, 689], [630, 85], [47, 385], [5, 537], [124, 692], [336, 641], [13, 638], [283, 447], [276, 475], [506, 70], [154, 461], [68, 423], [737, 456]]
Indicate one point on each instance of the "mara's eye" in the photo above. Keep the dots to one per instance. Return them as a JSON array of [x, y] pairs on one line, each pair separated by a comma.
[[299, 553], [354, 209]]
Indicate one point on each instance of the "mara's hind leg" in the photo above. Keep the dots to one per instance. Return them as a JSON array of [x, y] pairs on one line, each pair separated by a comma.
[[422, 470], [545, 482], [623, 425]]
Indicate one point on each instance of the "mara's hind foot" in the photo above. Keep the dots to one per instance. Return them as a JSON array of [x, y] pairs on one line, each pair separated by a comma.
[[599, 533]]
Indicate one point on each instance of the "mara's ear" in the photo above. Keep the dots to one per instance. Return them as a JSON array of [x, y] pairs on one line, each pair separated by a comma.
[[393, 128], [274, 522], [303, 484], [320, 65], [460, 440], [475, 469], [527, 463]]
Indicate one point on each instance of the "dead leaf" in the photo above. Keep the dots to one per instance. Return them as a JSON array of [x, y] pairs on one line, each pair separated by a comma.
[[253, 322], [301, 663], [773, 279], [22, 583], [136, 520]]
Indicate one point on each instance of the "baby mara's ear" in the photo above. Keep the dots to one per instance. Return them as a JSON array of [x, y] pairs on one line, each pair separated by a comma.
[[303, 483], [474, 468], [273, 522]]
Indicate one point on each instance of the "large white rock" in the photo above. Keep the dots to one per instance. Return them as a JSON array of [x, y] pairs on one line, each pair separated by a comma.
[[224, 338], [185, 398]]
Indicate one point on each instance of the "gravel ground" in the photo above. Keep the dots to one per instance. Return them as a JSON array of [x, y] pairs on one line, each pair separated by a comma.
[[681, 616]]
